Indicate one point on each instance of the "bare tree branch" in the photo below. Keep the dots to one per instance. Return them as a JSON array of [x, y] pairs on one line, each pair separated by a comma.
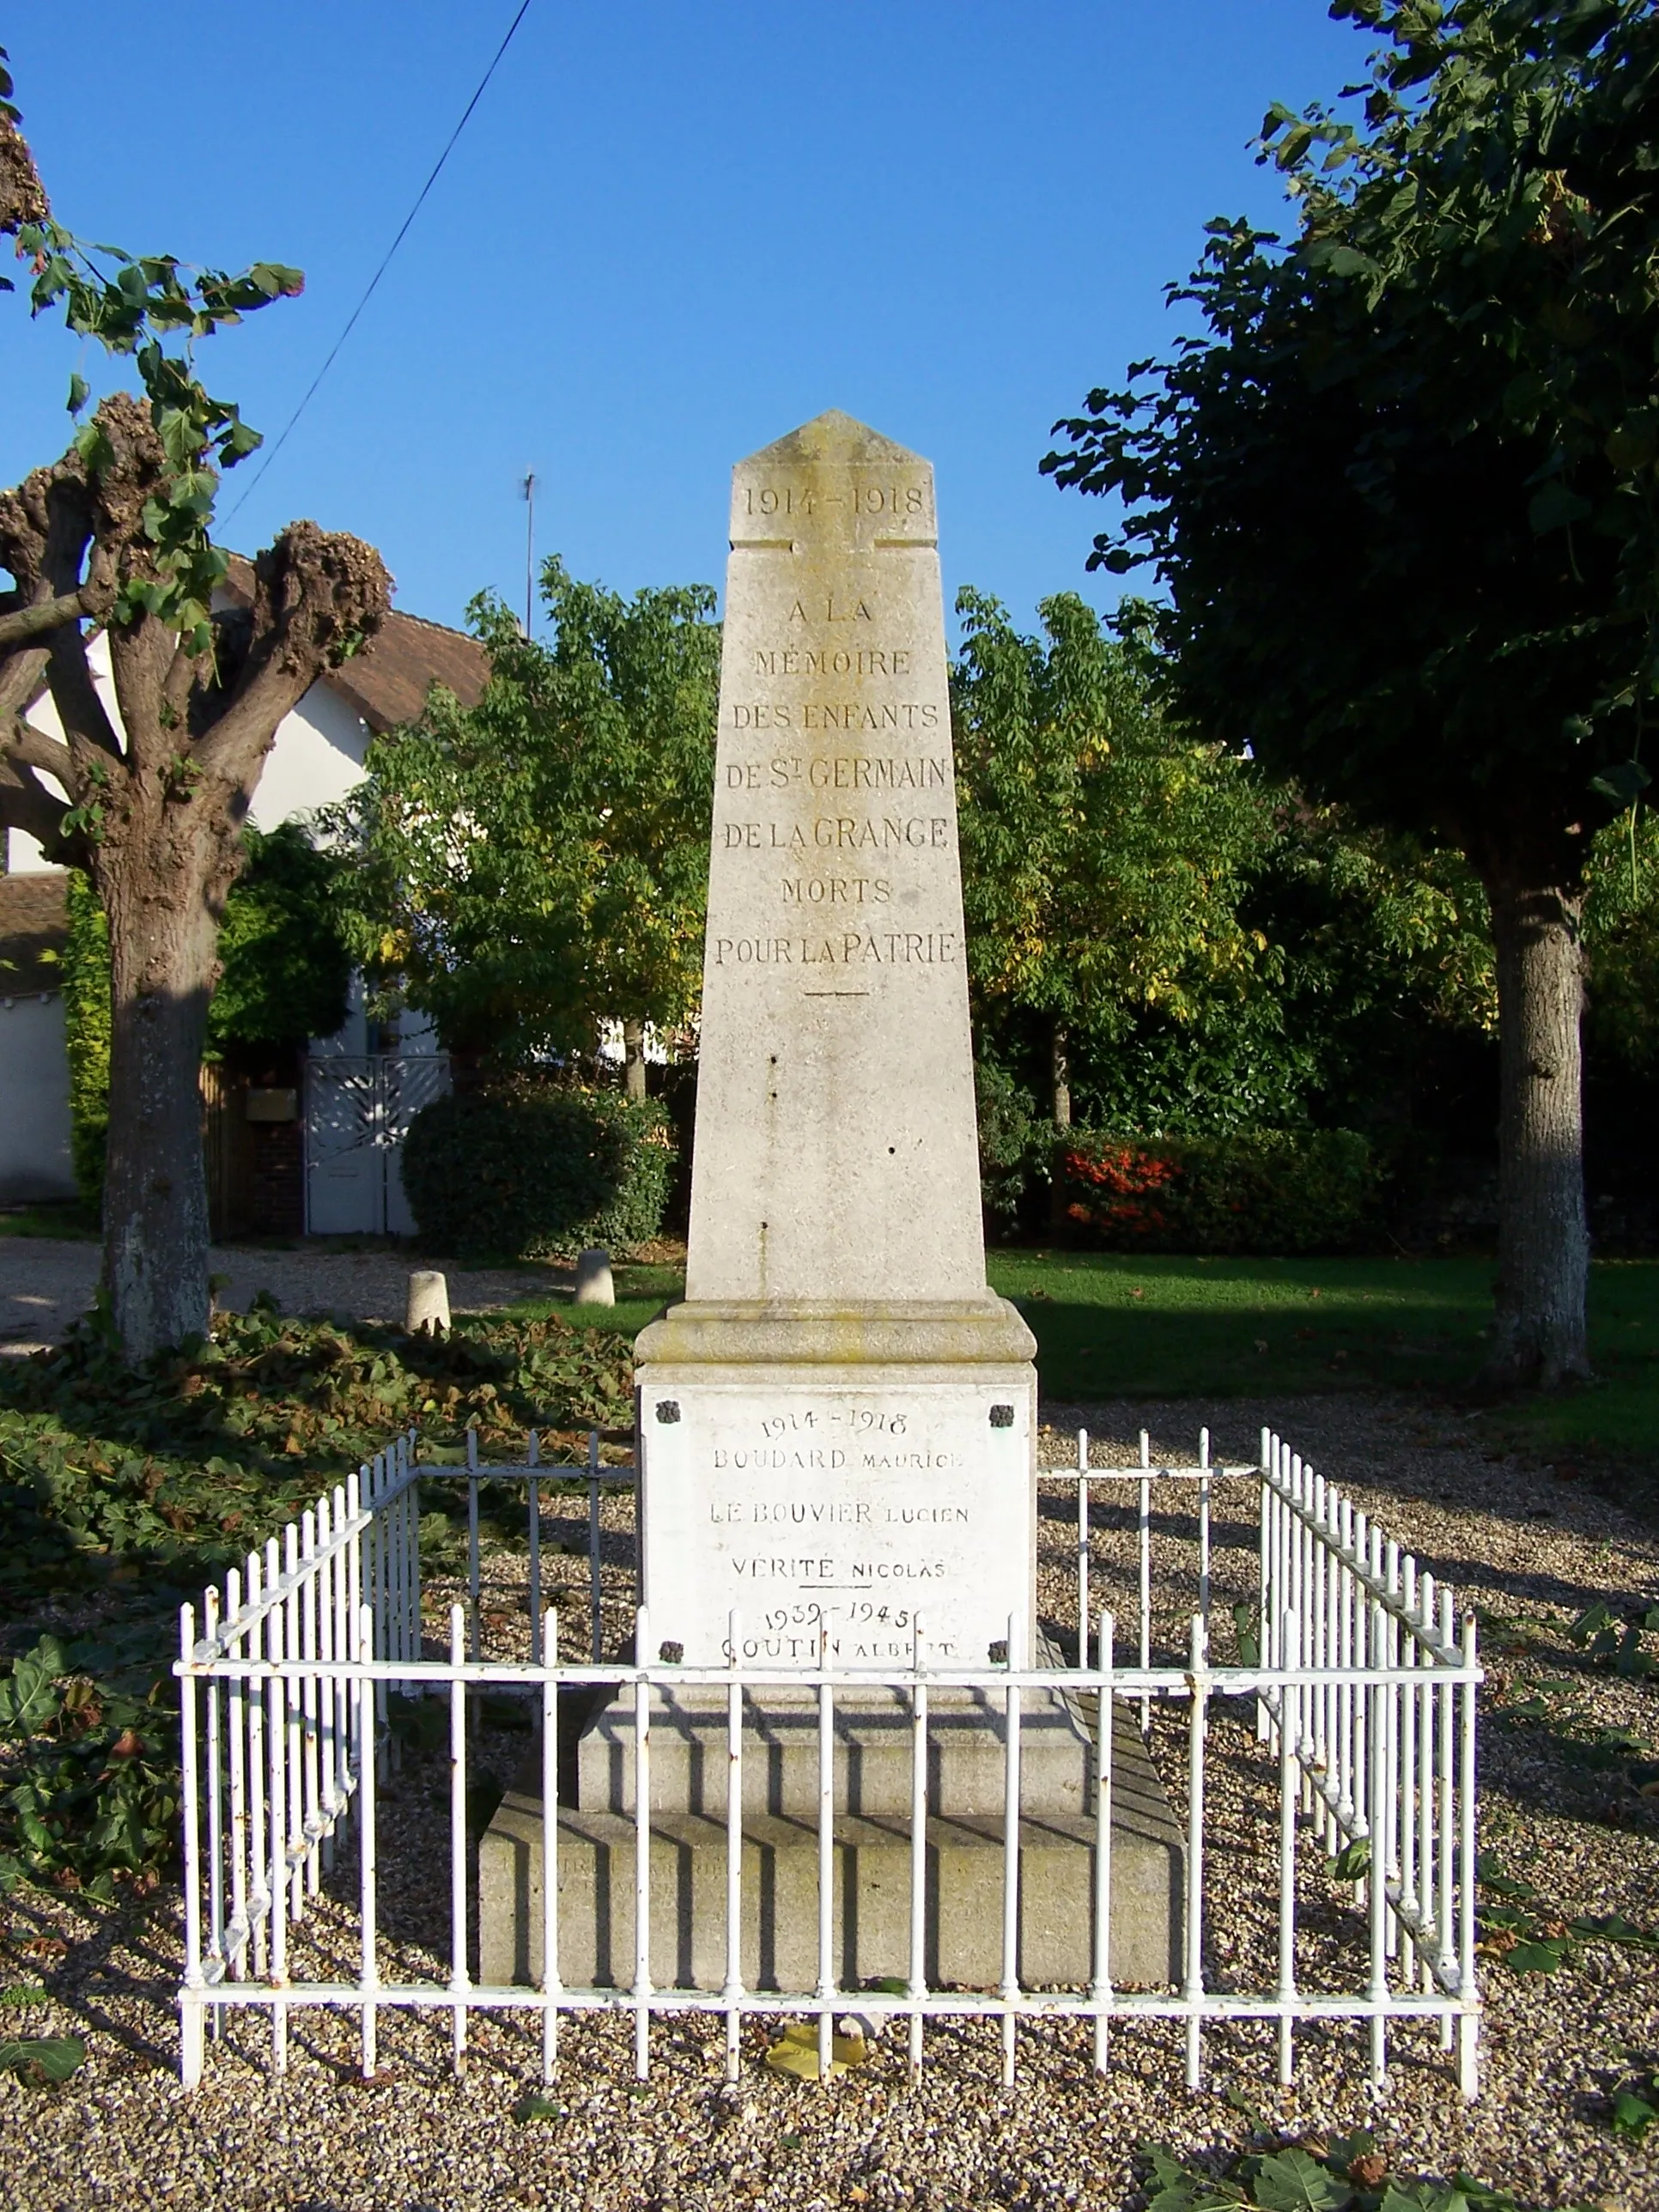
[[86, 721], [27, 805], [23, 624], [141, 657], [27, 747], [23, 675]]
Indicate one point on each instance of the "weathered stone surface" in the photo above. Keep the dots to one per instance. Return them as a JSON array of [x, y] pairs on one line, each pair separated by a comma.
[[594, 1286], [871, 1859], [839, 1370], [428, 1301], [967, 1749], [835, 1159]]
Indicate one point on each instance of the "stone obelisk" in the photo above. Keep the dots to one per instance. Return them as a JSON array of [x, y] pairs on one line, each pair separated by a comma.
[[836, 1428], [837, 1424]]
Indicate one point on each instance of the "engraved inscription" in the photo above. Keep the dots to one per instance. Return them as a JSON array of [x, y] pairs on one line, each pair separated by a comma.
[[845, 833], [838, 772], [771, 500], [890, 499], [838, 660], [886, 948], [836, 890], [834, 1521], [838, 714]]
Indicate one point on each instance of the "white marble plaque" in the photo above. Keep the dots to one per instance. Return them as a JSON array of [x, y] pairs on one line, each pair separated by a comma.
[[840, 1511]]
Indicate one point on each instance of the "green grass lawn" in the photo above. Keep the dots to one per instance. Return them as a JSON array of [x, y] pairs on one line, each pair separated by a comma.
[[1110, 1326], [641, 1293], [64, 1218]]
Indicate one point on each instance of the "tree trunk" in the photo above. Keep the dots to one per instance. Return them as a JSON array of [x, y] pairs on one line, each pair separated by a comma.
[[1060, 1070], [634, 1056], [1060, 1078], [1543, 1247], [163, 937]]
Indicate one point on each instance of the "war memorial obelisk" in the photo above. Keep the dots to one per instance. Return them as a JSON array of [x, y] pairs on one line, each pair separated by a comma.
[[837, 1426]]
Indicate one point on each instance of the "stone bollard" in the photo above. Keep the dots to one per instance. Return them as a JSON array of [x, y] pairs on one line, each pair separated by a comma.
[[594, 1285], [428, 1303]]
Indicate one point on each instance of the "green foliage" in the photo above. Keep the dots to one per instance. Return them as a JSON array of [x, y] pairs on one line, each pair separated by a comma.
[[533, 1167], [1014, 1144], [1263, 1190], [1102, 847], [1401, 492], [1531, 1937], [177, 1469], [1340, 2174], [40, 2060], [153, 308], [285, 967], [1634, 2110], [1354, 1862], [91, 1795], [86, 1034], [1378, 949], [1621, 936], [1614, 1636], [539, 863], [124, 1488]]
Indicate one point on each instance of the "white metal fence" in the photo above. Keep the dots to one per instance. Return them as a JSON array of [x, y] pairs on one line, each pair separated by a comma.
[[1363, 1680]]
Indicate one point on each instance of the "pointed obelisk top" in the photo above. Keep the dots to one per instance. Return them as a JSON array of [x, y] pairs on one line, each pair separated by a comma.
[[834, 437]]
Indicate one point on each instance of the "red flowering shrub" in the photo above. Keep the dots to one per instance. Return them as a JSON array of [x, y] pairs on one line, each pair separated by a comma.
[[1124, 1180], [1267, 1191]]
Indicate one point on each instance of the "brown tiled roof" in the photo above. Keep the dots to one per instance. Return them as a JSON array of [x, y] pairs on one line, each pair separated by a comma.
[[387, 682], [34, 931]]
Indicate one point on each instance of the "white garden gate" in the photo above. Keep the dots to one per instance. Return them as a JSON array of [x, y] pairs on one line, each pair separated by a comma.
[[358, 1109]]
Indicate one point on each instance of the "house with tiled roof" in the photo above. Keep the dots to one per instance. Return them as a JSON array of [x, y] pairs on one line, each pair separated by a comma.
[[313, 1147]]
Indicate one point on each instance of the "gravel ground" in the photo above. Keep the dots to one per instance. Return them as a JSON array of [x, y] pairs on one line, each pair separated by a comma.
[[1528, 1550], [45, 1282]]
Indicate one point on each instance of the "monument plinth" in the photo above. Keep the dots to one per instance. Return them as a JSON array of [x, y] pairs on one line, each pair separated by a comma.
[[837, 1426]]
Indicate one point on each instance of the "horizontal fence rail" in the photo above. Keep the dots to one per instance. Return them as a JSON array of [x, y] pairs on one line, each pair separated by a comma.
[[1362, 1676]]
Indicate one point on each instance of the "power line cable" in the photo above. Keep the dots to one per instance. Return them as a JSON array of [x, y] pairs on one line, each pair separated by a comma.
[[368, 294]]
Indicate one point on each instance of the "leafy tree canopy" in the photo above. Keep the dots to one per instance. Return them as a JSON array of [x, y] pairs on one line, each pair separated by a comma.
[[1104, 846], [539, 863], [285, 967], [1402, 490]]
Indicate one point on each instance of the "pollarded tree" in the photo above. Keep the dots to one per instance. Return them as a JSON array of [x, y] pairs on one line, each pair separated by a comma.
[[539, 863], [1104, 849], [1404, 495], [150, 801]]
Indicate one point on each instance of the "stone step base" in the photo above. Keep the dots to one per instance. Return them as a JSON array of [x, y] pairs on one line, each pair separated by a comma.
[[967, 1754], [781, 1905]]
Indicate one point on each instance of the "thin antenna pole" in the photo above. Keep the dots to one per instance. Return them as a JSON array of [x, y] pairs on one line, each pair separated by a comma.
[[529, 550]]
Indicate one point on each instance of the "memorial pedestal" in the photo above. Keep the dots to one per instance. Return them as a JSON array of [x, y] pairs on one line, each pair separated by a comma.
[[871, 1873]]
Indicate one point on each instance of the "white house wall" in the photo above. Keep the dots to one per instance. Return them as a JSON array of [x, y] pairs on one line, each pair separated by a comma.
[[316, 758], [34, 1126]]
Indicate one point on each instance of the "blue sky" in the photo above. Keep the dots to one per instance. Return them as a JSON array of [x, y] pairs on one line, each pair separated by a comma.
[[669, 234]]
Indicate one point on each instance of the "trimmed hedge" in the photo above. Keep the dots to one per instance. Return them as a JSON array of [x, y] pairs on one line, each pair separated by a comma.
[[531, 1168], [1277, 1191]]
